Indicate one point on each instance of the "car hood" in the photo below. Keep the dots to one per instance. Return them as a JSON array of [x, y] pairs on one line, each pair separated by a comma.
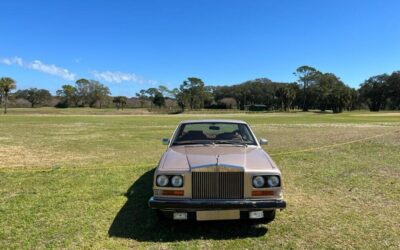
[[183, 158]]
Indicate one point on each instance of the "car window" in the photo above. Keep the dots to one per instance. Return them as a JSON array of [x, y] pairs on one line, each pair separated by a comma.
[[218, 133]]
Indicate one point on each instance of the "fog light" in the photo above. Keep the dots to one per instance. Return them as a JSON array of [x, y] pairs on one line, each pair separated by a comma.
[[180, 216], [256, 214]]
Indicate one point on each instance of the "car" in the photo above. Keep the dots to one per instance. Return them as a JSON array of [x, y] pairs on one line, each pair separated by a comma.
[[216, 170]]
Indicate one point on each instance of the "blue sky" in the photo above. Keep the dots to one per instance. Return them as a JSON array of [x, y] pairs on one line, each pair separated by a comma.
[[132, 45]]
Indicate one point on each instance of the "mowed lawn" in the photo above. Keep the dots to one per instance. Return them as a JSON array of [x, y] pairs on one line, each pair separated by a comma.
[[81, 178]]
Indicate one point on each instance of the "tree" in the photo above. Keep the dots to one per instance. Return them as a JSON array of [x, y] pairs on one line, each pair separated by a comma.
[[339, 96], [182, 98], [69, 96], [258, 91], [34, 96], [354, 102], [6, 85], [97, 93], [120, 101], [208, 95], [142, 96], [329, 92], [393, 90], [83, 91], [151, 93], [307, 76], [165, 91], [159, 100], [286, 95], [156, 96], [374, 92], [194, 91]]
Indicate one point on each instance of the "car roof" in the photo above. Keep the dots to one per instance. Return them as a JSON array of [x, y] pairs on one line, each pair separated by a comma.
[[212, 121]]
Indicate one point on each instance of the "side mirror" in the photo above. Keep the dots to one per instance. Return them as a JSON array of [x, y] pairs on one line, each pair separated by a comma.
[[165, 141], [263, 141]]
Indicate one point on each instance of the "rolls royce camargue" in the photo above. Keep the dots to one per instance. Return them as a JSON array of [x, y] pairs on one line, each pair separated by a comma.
[[216, 170]]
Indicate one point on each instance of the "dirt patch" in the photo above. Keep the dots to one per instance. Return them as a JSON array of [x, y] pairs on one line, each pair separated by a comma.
[[20, 156]]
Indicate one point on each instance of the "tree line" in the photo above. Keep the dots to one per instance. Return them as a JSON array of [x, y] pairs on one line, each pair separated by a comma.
[[313, 90], [84, 93]]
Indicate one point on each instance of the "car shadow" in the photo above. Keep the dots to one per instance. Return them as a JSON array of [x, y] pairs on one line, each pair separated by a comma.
[[135, 220]]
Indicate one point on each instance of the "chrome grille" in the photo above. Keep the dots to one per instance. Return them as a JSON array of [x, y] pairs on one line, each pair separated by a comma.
[[217, 185]]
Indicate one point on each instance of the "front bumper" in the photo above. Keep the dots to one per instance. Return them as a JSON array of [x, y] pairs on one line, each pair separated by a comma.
[[200, 205]]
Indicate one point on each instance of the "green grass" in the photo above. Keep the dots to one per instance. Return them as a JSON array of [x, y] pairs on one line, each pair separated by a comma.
[[345, 196]]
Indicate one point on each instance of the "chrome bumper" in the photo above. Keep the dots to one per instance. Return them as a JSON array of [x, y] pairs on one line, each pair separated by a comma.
[[196, 205]]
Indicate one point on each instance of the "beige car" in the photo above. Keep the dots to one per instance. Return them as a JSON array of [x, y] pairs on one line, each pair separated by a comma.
[[216, 170]]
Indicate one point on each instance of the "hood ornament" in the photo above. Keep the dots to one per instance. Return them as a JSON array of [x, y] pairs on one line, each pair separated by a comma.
[[217, 158]]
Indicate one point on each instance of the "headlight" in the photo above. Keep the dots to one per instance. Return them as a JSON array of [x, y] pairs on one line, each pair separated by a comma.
[[162, 180], [273, 181], [177, 181], [258, 181]]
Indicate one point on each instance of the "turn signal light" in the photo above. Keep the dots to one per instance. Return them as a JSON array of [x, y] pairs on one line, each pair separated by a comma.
[[173, 192], [262, 193]]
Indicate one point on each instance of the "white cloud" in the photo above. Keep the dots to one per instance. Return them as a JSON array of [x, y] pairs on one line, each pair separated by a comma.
[[39, 66], [118, 77], [13, 60], [51, 69]]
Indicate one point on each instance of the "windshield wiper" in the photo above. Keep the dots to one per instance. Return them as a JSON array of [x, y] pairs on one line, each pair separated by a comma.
[[233, 142], [193, 142]]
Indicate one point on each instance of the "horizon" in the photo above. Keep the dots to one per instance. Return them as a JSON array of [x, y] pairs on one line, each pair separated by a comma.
[[130, 46]]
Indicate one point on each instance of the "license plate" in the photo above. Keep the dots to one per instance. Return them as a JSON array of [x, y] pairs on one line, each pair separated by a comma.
[[218, 215]]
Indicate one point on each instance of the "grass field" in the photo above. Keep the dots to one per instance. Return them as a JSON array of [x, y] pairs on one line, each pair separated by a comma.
[[81, 178]]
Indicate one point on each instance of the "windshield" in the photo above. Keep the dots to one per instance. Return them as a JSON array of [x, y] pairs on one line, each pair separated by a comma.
[[214, 132]]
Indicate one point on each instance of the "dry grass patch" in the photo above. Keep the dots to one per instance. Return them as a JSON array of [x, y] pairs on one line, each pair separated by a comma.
[[24, 157]]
